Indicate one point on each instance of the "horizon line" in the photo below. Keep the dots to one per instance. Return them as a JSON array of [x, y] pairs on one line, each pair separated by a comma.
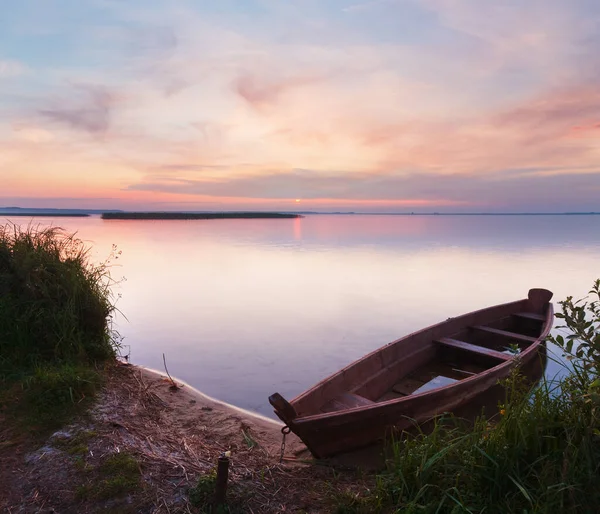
[[57, 210]]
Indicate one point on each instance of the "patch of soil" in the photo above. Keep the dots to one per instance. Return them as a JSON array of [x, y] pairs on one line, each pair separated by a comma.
[[167, 437]]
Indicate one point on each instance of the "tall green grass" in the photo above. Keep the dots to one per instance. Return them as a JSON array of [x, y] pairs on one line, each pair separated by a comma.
[[542, 455], [55, 323], [54, 303]]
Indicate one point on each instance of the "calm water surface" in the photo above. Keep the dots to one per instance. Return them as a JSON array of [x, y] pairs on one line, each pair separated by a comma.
[[243, 308]]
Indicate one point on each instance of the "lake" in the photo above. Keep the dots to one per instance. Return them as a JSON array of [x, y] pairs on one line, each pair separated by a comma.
[[244, 308]]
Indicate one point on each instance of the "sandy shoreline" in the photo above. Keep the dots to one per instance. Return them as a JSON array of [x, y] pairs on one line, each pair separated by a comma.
[[175, 436], [172, 438], [220, 418]]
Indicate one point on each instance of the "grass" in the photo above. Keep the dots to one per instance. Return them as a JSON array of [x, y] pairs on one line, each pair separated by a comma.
[[541, 456], [55, 334], [119, 474], [49, 397], [248, 439], [202, 494], [54, 304], [77, 444]]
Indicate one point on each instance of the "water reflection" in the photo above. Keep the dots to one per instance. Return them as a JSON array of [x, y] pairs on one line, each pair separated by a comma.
[[243, 308]]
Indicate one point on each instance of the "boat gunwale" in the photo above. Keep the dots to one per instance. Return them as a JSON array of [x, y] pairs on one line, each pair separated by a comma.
[[524, 355]]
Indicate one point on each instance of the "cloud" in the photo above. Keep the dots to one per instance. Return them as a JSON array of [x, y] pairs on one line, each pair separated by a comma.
[[179, 95], [519, 49], [558, 110], [259, 90], [90, 112], [10, 68], [592, 129], [518, 189], [551, 128], [191, 167]]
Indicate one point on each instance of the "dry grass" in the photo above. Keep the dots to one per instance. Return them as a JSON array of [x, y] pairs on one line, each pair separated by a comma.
[[135, 416]]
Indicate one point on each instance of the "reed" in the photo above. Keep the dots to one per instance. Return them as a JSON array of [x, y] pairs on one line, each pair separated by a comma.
[[55, 322]]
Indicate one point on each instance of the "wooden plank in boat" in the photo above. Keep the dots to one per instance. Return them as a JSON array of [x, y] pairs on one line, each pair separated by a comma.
[[345, 401], [435, 383], [443, 368], [530, 315], [466, 369], [407, 385], [462, 345], [391, 395], [504, 333], [465, 373]]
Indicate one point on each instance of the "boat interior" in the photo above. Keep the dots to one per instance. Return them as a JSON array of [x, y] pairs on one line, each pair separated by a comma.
[[441, 362]]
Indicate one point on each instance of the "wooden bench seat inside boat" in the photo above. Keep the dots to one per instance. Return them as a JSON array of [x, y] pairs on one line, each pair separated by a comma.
[[504, 333], [530, 316], [468, 347], [500, 335], [345, 401]]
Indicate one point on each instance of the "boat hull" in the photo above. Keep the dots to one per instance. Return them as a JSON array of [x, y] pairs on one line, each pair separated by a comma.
[[329, 433]]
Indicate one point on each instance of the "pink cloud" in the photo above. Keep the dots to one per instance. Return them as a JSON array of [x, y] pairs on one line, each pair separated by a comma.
[[88, 109], [556, 110], [260, 91]]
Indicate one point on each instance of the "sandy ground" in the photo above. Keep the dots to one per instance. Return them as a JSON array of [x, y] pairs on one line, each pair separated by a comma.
[[176, 435], [223, 421]]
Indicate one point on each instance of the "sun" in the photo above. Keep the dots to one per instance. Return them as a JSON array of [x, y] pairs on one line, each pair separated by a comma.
[[297, 200]]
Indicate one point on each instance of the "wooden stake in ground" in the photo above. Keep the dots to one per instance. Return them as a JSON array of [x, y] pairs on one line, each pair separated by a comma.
[[221, 481]]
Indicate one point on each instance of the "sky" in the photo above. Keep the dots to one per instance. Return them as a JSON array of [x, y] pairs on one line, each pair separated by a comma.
[[369, 106]]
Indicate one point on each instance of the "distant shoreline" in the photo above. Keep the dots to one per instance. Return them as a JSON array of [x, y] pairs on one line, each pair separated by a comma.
[[205, 215], [195, 216], [44, 215]]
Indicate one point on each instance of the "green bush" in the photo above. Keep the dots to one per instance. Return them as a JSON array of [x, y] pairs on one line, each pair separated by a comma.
[[582, 345], [54, 304]]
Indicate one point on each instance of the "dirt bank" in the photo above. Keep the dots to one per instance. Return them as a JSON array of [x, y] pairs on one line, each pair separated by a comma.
[[145, 446]]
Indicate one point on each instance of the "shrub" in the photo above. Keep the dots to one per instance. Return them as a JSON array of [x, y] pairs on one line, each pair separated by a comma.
[[54, 304], [582, 346]]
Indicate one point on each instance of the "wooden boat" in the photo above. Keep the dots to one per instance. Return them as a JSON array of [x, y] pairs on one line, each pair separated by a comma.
[[417, 377]]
